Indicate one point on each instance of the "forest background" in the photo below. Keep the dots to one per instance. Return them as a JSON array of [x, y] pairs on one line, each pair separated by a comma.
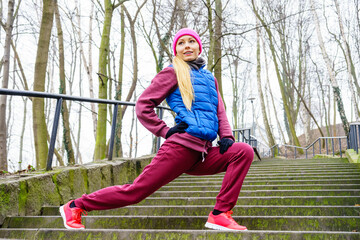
[[284, 68]]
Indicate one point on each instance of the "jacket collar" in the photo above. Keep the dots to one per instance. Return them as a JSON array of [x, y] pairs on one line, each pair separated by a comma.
[[197, 63]]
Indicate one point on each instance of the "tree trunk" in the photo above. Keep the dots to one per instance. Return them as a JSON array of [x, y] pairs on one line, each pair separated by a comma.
[[118, 144], [334, 84], [288, 114], [210, 63], [270, 137], [62, 90], [348, 61], [135, 56], [218, 45], [100, 145], [5, 82], [39, 124], [88, 67]]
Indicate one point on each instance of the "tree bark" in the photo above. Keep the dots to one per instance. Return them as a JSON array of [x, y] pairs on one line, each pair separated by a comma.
[[39, 124], [218, 45], [88, 66], [62, 90], [118, 143], [135, 56], [5, 82], [100, 145], [270, 137]]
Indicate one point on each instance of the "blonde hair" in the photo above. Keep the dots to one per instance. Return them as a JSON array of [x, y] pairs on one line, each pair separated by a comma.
[[182, 70]]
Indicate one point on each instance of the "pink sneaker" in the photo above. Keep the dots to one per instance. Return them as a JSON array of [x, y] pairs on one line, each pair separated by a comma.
[[223, 221], [72, 216]]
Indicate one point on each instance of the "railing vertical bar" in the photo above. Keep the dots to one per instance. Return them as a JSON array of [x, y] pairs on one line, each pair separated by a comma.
[[357, 138], [340, 147], [159, 138], [295, 153], [327, 147], [306, 153], [332, 144], [53, 134], [313, 149], [319, 146], [112, 136]]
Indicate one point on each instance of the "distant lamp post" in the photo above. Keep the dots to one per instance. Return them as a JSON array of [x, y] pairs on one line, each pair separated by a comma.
[[253, 114]]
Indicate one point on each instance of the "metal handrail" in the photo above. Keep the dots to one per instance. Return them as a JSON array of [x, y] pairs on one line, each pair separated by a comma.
[[313, 146], [354, 136], [60, 98]]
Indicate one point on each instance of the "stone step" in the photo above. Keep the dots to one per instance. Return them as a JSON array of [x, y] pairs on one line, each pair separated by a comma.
[[249, 193], [214, 187], [239, 210], [304, 177], [262, 200], [301, 167], [149, 234], [284, 223], [354, 180], [302, 161], [277, 174]]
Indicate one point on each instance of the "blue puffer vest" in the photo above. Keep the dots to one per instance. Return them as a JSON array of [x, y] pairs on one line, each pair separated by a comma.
[[202, 120]]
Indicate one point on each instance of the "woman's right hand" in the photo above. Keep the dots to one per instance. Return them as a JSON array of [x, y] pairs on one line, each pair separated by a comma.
[[179, 128]]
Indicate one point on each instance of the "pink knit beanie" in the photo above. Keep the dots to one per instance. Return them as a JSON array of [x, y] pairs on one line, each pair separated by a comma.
[[186, 31]]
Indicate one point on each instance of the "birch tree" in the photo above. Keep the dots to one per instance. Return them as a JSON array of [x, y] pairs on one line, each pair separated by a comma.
[[334, 84], [5, 82]]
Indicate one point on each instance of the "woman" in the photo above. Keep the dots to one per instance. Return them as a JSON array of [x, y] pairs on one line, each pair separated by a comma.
[[192, 93]]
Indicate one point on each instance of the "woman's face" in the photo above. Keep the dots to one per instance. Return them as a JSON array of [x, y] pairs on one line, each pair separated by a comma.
[[187, 48]]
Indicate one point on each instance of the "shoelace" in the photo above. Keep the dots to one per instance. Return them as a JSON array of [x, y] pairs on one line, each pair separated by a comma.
[[77, 214], [228, 215]]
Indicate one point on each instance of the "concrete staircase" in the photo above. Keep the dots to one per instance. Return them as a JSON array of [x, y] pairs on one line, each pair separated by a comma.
[[280, 199]]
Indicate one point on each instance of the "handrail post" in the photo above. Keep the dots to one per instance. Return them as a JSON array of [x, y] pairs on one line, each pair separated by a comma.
[[159, 138], [53, 134], [357, 135], [332, 144], [340, 147], [113, 128], [327, 147]]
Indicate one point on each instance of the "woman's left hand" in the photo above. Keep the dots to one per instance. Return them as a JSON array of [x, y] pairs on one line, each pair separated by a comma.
[[224, 144]]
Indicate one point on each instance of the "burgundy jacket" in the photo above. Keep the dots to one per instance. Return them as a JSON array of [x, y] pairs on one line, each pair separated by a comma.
[[163, 84]]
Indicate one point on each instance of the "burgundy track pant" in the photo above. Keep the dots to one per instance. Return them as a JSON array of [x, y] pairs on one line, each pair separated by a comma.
[[171, 161]]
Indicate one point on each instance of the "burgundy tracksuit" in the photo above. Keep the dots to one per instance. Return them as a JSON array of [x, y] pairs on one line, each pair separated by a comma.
[[180, 153]]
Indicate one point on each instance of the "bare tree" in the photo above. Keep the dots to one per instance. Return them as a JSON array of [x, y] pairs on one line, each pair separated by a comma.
[[62, 90], [5, 82], [334, 83], [39, 124]]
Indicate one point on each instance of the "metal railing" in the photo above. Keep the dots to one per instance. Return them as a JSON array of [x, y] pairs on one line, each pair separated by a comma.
[[243, 135], [60, 98], [319, 141], [354, 137]]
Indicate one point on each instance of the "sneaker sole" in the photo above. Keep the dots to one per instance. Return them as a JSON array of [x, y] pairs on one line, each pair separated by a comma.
[[218, 227], [62, 213]]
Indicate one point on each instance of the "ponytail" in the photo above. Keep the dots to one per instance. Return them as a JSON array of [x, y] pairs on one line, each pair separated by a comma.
[[182, 71]]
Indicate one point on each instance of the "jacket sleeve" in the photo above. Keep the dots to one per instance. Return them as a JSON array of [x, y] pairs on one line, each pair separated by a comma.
[[224, 125], [163, 84]]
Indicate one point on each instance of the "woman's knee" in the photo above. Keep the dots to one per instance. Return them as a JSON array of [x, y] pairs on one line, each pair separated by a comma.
[[243, 150]]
